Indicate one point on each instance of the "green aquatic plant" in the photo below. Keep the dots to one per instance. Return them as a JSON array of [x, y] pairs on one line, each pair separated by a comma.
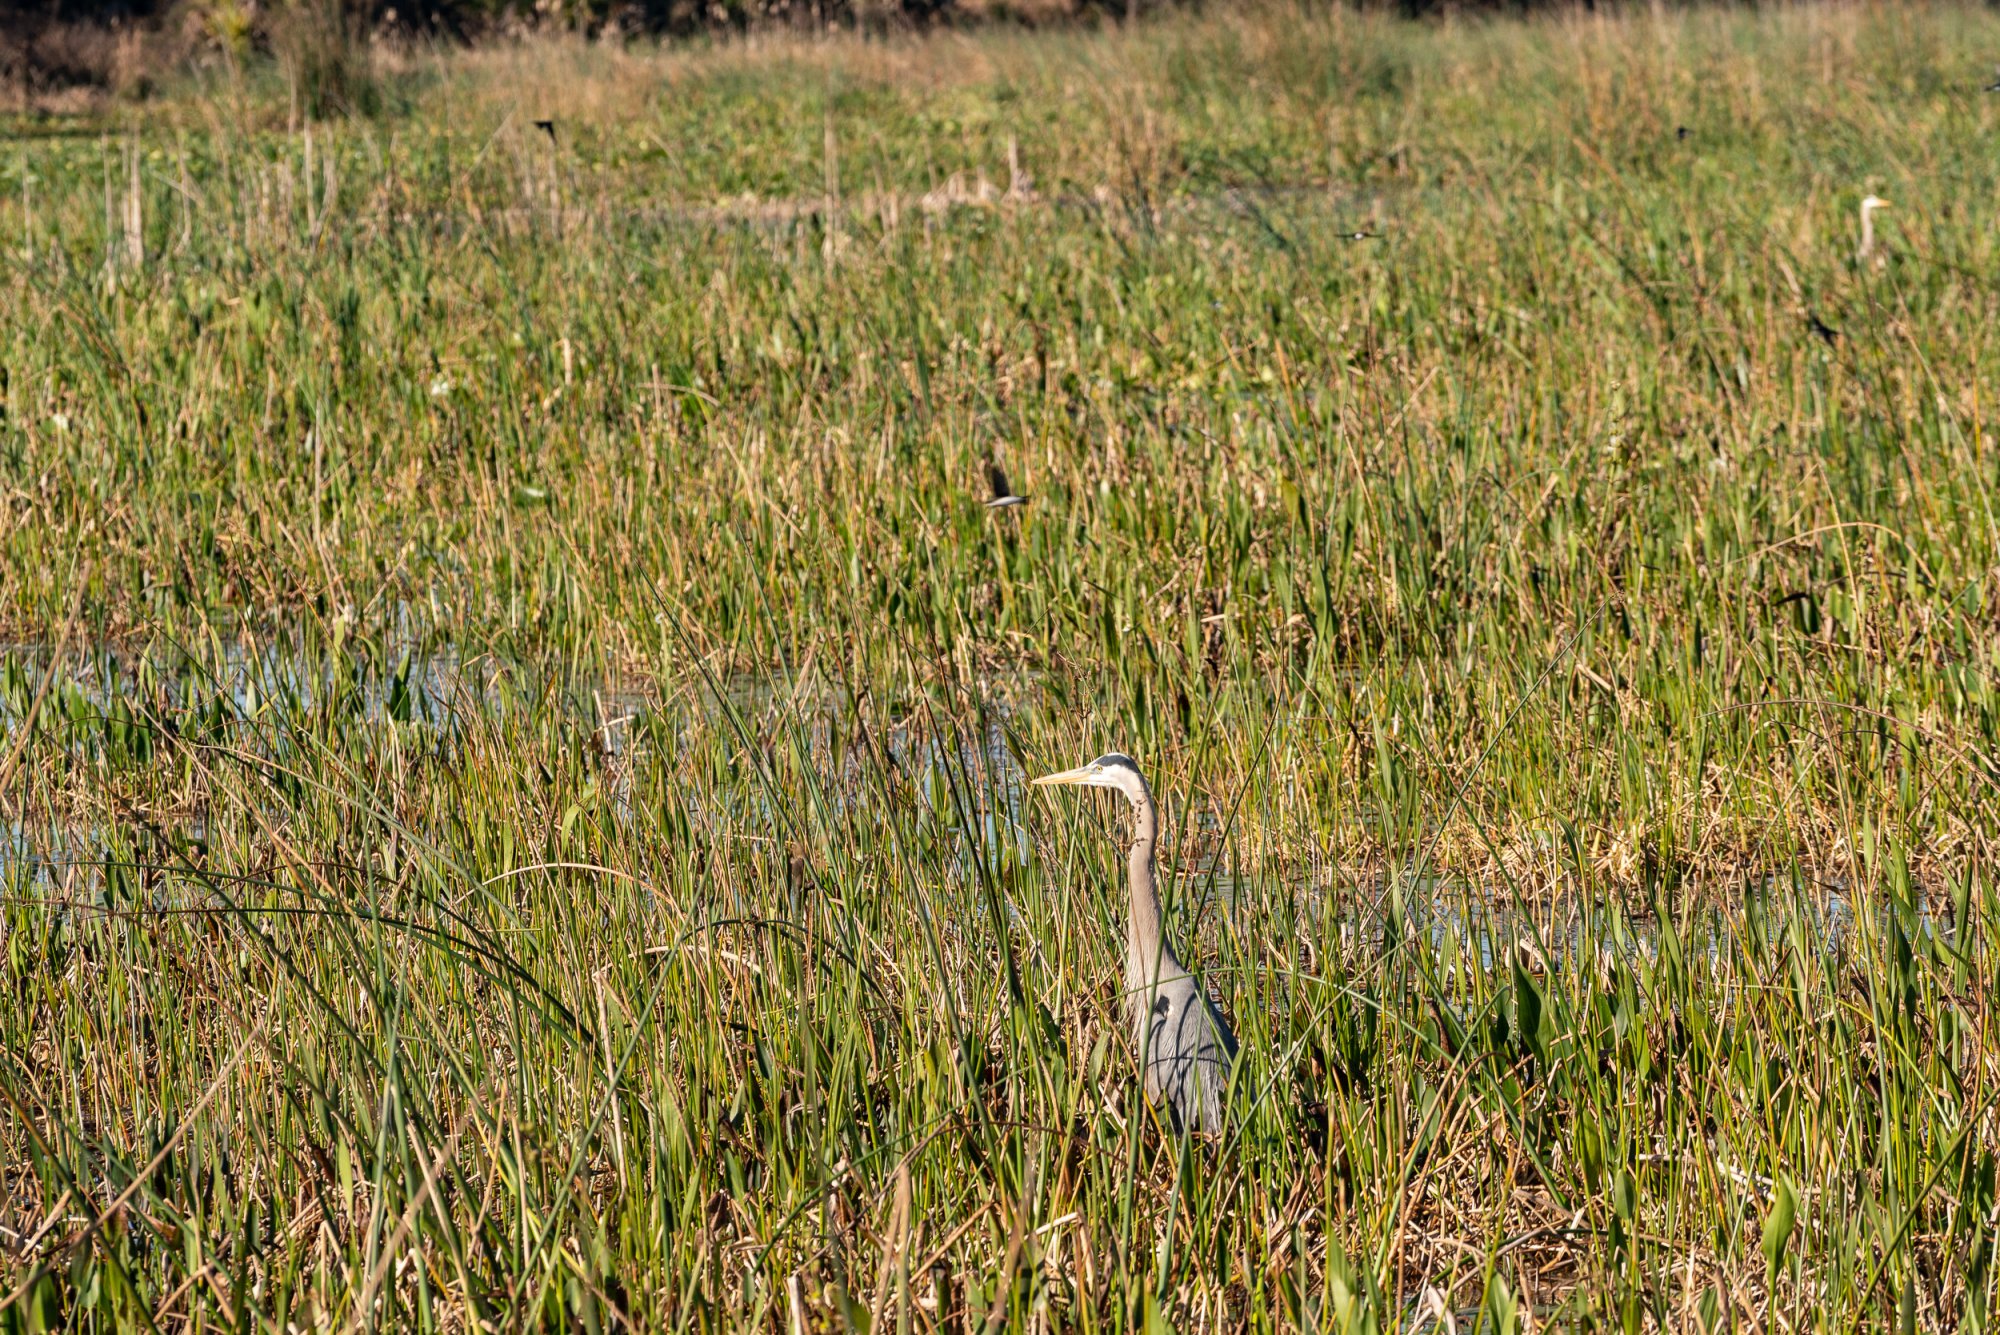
[[514, 708]]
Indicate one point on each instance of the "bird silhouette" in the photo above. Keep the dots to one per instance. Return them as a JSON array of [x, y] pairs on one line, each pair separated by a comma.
[[547, 127]]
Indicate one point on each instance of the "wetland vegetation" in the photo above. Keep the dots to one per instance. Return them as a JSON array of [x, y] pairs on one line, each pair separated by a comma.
[[514, 713]]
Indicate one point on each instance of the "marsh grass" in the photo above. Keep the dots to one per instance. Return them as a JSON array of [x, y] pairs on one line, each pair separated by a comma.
[[514, 735]]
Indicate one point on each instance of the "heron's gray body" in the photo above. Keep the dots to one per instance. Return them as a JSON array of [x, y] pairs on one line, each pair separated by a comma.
[[1185, 1047], [1187, 1050]]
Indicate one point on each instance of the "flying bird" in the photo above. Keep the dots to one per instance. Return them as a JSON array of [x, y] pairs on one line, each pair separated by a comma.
[[1003, 495], [1360, 234], [1186, 1049], [547, 127]]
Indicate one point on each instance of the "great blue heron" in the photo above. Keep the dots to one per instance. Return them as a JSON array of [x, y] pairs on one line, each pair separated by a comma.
[[1185, 1046], [1003, 495], [1866, 250]]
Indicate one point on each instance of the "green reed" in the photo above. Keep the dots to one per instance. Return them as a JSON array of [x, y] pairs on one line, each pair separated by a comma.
[[512, 748]]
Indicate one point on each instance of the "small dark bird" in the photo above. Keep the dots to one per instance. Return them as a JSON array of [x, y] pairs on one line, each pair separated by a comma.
[[1993, 87], [1361, 234], [1682, 132], [1826, 332], [548, 128], [1003, 495]]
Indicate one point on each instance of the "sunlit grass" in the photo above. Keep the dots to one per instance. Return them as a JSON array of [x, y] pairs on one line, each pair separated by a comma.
[[512, 743]]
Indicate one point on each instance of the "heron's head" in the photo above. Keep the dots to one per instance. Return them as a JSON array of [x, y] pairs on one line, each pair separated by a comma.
[[1874, 202], [1110, 770]]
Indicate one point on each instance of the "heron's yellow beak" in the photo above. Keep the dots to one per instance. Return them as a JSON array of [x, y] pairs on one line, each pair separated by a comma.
[[1081, 774]]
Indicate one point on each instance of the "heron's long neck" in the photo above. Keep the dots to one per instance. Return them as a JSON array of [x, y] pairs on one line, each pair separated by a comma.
[[1149, 957], [1867, 233]]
